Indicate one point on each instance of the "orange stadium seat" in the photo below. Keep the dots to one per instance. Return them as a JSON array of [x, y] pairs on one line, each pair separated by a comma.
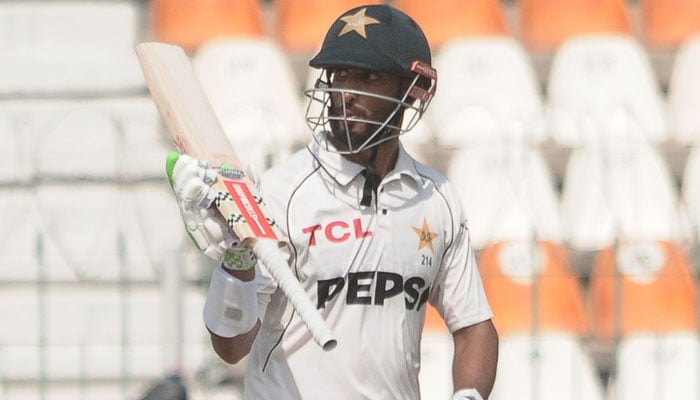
[[667, 23], [443, 20], [545, 24], [532, 291], [302, 24], [642, 287], [540, 317], [191, 23]]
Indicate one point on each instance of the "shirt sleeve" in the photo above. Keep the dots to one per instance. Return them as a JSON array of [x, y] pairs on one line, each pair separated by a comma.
[[458, 293]]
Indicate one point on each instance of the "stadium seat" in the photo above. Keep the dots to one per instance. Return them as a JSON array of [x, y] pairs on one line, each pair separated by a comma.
[[657, 367], [508, 194], [532, 289], [96, 332], [302, 24], [420, 142], [108, 232], [551, 366], [596, 76], [88, 156], [546, 24], [20, 243], [620, 191], [540, 316], [154, 237], [487, 91], [88, 390], [255, 95], [88, 138], [68, 47], [15, 165], [81, 231], [191, 24], [684, 93], [72, 139], [641, 287], [666, 24], [443, 20], [690, 191], [144, 141], [104, 148]]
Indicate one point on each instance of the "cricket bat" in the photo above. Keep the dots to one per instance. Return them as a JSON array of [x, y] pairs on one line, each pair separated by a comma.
[[196, 131]]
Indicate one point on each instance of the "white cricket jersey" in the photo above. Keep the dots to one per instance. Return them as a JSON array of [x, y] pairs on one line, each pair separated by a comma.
[[370, 270]]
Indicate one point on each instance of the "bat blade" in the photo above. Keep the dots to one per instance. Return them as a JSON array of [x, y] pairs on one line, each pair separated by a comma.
[[182, 103], [196, 131]]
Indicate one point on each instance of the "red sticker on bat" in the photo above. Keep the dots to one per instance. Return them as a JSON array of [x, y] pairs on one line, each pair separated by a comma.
[[249, 209]]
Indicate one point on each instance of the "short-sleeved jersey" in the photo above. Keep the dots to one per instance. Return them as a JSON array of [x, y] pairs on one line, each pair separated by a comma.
[[370, 271]]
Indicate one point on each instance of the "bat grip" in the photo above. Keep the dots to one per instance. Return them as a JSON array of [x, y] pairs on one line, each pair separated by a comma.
[[271, 257]]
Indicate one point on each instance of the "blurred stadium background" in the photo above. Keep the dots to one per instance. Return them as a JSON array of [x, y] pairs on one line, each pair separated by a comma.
[[571, 128]]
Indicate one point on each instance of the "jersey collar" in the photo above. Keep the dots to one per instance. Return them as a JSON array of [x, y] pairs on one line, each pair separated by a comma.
[[344, 171]]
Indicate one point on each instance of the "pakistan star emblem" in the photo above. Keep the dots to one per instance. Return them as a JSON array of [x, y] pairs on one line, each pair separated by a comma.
[[426, 236], [357, 23]]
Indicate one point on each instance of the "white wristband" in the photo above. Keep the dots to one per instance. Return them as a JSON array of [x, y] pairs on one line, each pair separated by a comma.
[[467, 394], [231, 306]]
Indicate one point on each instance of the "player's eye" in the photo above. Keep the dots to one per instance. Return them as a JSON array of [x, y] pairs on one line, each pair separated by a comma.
[[372, 76], [341, 73]]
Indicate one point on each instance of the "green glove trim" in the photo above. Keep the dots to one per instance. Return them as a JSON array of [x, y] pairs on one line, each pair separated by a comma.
[[170, 161]]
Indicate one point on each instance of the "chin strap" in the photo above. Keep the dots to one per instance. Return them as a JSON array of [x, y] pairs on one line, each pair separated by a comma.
[[371, 180]]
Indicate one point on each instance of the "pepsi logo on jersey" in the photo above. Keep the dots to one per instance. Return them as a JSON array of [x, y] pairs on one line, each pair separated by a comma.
[[386, 285]]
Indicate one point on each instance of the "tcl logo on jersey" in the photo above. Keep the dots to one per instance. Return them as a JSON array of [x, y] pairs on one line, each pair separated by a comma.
[[386, 285], [337, 231]]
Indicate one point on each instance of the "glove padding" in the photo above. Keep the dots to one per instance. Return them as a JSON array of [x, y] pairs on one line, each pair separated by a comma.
[[191, 181]]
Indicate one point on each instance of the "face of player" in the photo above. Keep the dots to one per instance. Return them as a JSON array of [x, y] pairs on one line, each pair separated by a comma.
[[360, 104]]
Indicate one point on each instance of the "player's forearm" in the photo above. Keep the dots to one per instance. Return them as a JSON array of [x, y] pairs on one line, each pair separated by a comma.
[[232, 350], [475, 358]]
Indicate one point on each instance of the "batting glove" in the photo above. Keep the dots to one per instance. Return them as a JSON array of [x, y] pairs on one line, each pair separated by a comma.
[[191, 181]]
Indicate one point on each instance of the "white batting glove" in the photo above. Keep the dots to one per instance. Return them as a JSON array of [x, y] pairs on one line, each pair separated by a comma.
[[467, 394], [191, 181]]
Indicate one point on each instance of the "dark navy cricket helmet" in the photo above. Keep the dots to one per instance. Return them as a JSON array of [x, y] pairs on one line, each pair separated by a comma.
[[376, 38]]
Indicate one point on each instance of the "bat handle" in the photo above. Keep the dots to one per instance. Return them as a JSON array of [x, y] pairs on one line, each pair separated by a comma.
[[271, 257]]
